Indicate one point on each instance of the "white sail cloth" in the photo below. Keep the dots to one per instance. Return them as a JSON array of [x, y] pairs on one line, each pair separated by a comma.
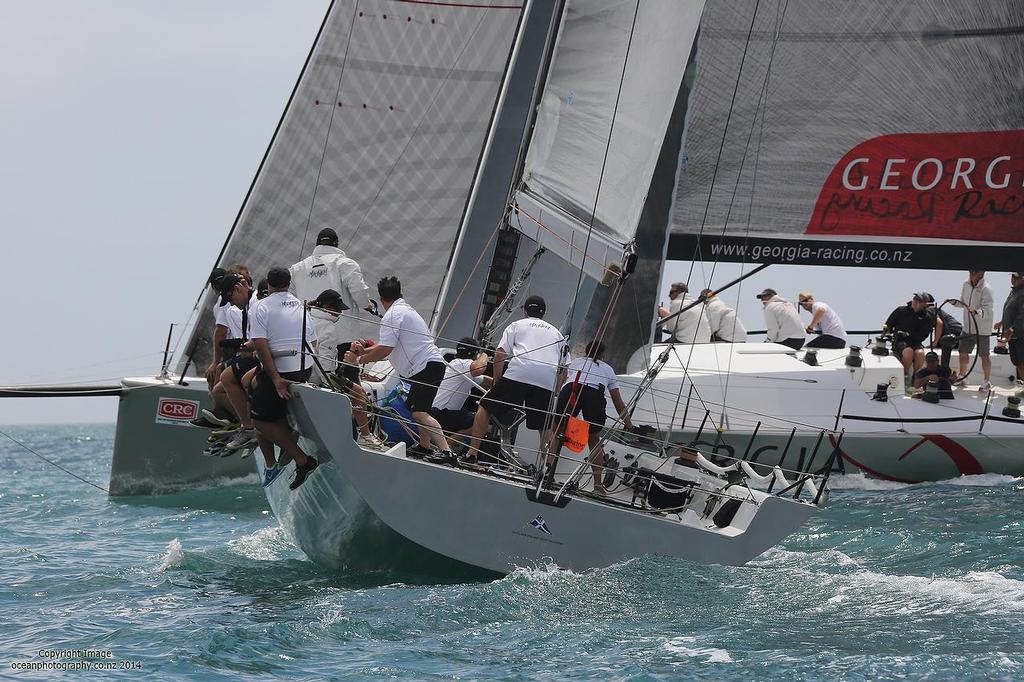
[[613, 81]]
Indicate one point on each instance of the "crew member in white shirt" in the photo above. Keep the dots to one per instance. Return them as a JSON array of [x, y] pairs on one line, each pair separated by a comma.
[[784, 323], [278, 327], [328, 267], [237, 291], [724, 322], [690, 326], [979, 307], [463, 378], [220, 329], [406, 340], [825, 320], [533, 349], [587, 380]]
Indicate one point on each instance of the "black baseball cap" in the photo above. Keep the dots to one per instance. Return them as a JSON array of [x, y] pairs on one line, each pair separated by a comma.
[[767, 293], [216, 276], [931, 355], [227, 284], [330, 297], [923, 296], [535, 305], [327, 236], [466, 348]]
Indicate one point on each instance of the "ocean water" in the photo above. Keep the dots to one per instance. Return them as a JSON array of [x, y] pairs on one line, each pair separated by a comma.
[[891, 581]]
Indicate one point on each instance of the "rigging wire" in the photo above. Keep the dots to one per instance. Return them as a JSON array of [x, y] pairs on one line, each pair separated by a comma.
[[52, 463]]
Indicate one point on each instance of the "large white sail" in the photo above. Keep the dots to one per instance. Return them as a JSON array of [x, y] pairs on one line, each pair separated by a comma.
[[380, 141], [605, 108]]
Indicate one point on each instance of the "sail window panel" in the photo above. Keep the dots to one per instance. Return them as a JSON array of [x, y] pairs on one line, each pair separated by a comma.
[[616, 70]]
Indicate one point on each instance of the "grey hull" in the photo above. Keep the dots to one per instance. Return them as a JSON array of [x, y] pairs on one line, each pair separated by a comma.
[[155, 450], [484, 521]]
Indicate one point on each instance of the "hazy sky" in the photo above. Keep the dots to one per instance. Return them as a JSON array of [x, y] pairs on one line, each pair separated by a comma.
[[130, 132]]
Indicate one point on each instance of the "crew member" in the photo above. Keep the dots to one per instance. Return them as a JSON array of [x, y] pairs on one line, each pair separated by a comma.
[[589, 378], [220, 329], [978, 304], [406, 340], [910, 326], [329, 268], [947, 332], [533, 348], [689, 326], [278, 327], [783, 320], [1012, 323], [463, 377], [933, 371], [825, 321], [237, 291], [723, 321]]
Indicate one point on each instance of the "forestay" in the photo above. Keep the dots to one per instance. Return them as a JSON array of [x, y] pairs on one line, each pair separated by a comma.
[[380, 141], [611, 87], [862, 133]]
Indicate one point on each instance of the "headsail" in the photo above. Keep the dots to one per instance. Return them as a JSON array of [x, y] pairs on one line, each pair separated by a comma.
[[380, 141], [606, 104], [860, 134]]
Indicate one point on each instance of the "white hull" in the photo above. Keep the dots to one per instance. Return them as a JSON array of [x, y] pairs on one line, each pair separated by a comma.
[[487, 522], [765, 386]]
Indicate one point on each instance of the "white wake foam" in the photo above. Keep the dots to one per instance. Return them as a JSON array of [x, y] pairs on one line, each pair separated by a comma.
[[267, 544], [173, 557], [862, 482], [684, 646], [986, 591]]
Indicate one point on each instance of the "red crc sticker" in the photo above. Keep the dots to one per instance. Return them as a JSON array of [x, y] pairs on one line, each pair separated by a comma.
[[176, 411]]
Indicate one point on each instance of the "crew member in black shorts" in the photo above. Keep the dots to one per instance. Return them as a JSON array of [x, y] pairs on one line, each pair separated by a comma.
[[911, 325]]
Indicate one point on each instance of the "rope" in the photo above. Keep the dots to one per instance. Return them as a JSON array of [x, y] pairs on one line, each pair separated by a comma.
[[52, 463]]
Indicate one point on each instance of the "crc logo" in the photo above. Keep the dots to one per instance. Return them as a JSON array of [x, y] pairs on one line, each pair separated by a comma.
[[176, 411]]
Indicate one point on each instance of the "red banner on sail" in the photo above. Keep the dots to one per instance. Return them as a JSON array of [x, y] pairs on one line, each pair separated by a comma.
[[966, 186]]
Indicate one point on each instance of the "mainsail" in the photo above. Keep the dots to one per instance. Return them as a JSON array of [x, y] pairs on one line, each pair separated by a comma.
[[606, 104], [380, 140], [877, 134]]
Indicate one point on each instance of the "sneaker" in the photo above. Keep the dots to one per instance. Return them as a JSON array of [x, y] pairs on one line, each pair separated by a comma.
[[269, 475], [204, 423], [985, 387], [247, 452], [243, 438], [302, 472], [227, 430], [214, 450], [418, 451], [211, 416], [370, 440]]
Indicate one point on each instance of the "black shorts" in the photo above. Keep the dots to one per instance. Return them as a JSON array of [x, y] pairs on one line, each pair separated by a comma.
[[423, 386], [826, 341], [453, 420], [240, 364], [508, 394], [1016, 348], [900, 344], [264, 402], [795, 342], [590, 402]]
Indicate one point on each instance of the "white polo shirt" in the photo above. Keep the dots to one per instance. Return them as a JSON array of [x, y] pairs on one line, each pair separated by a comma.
[[404, 330], [534, 348], [233, 319], [830, 324], [592, 373], [456, 386], [278, 319]]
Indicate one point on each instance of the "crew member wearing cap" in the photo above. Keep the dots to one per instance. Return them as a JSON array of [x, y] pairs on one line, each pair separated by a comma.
[[406, 340], [947, 332], [220, 329], [910, 326], [278, 327], [783, 320], [933, 371], [978, 304], [463, 378], [337, 357], [724, 322], [1012, 323], [533, 349], [237, 292], [823, 320], [329, 268], [688, 326]]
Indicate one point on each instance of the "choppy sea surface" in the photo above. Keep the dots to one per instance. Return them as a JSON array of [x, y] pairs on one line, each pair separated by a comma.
[[891, 581]]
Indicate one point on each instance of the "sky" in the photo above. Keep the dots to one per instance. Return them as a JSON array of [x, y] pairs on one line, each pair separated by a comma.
[[131, 130]]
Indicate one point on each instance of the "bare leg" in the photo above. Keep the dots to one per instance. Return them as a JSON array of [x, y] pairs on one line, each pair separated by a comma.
[[236, 396], [220, 398], [359, 401], [267, 448], [430, 431], [965, 361], [597, 461], [986, 366], [283, 437], [480, 421], [907, 358], [918, 359]]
